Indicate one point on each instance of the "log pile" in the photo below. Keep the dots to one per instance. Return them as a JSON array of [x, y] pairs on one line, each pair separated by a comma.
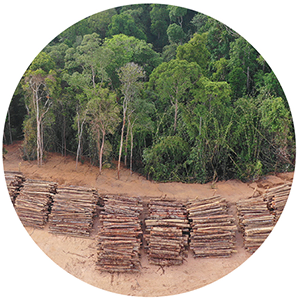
[[255, 222], [14, 181], [166, 232], [212, 228], [119, 238], [73, 211], [33, 202], [276, 199]]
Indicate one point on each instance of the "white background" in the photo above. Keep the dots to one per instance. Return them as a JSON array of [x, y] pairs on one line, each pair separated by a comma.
[[272, 27]]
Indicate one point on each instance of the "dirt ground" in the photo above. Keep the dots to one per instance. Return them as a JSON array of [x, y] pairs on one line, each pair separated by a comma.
[[77, 255]]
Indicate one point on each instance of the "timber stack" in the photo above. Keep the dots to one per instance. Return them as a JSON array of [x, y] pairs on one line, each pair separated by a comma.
[[73, 211], [166, 232], [33, 204], [119, 237], [255, 222], [212, 227], [14, 181], [276, 199]]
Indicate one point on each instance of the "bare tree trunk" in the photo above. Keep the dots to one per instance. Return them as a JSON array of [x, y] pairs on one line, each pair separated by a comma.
[[79, 142], [126, 143], [101, 152], [121, 143], [38, 133], [42, 142], [131, 148]]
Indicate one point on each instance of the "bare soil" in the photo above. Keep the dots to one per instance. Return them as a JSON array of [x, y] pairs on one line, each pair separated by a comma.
[[78, 255]]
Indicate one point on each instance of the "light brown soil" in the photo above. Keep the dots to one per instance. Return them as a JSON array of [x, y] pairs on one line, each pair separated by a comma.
[[77, 256]]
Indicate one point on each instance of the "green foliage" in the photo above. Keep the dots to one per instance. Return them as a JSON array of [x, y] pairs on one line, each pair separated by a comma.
[[29, 143], [175, 33], [172, 82], [166, 160], [237, 79], [177, 13], [130, 49], [42, 61], [159, 16], [99, 22], [124, 23], [195, 51], [73, 35]]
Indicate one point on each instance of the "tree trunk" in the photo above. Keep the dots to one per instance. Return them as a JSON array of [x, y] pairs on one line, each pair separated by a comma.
[[121, 144], [101, 152], [131, 148], [79, 142], [38, 133], [126, 143]]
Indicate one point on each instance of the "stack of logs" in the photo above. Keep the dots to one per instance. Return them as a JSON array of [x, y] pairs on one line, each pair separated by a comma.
[[276, 198], [166, 232], [73, 211], [33, 202], [255, 222], [213, 229], [14, 181], [119, 238]]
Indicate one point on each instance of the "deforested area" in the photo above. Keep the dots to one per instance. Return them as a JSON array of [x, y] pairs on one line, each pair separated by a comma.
[[115, 255]]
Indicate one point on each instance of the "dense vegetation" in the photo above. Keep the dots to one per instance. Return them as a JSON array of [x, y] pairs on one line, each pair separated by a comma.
[[171, 93]]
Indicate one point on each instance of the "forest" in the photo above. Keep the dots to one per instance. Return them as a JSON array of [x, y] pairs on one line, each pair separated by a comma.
[[164, 91]]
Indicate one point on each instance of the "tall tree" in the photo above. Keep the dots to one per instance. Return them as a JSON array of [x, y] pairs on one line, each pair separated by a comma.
[[172, 81], [130, 76], [103, 115], [40, 82]]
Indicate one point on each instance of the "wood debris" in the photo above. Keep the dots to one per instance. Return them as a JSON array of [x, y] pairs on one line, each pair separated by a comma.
[[276, 198], [255, 222], [166, 232], [212, 228], [73, 211], [14, 181], [119, 238], [33, 202]]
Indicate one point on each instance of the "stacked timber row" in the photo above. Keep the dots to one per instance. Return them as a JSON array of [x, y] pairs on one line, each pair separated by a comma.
[[14, 181], [255, 222], [166, 232], [212, 228], [34, 201], [276, 198], [119, 237], [73, 211]]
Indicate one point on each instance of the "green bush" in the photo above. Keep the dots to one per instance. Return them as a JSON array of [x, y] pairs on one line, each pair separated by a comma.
[[165, 161]]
